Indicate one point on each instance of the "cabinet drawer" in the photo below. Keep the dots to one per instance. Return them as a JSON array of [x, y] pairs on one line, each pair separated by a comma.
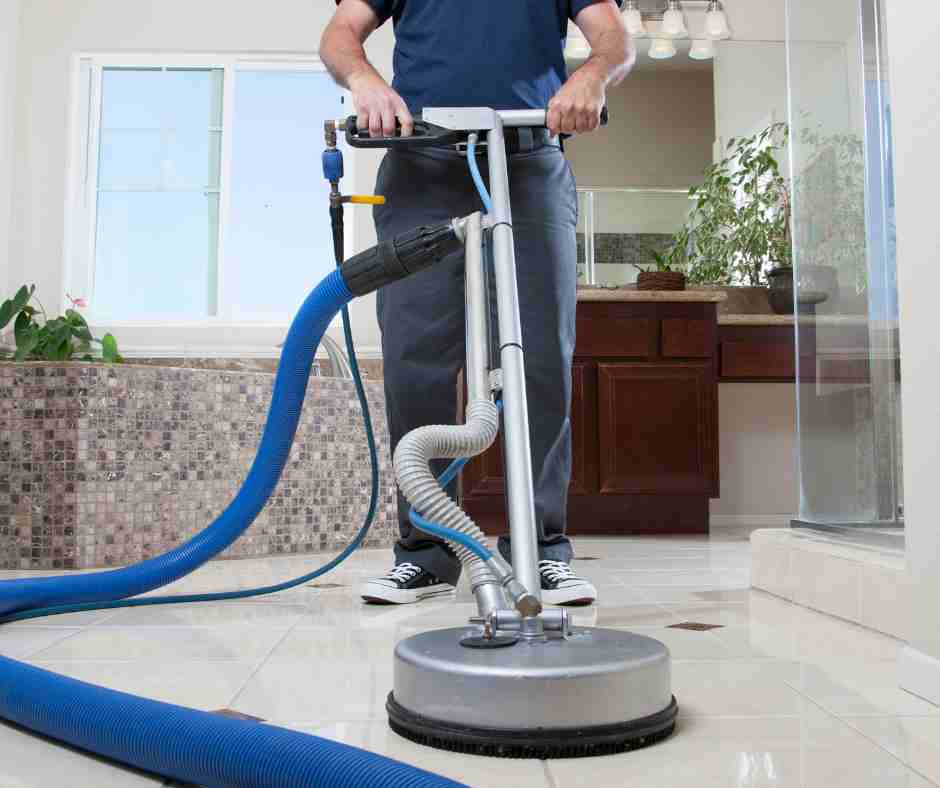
[[613, 335], [749, 360], [688, 338]]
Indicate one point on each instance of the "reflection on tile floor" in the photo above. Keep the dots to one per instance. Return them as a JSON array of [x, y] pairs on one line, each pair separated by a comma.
[[776, 696]]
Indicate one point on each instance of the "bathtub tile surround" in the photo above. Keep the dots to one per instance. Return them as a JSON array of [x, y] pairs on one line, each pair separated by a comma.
[[104, 466], [368, 367]]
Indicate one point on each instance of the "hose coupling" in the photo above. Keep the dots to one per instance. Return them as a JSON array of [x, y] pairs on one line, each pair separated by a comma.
[[526, 603], [399, 257]]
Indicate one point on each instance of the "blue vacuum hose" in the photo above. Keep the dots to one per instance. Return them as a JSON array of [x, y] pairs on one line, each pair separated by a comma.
[[186, 744]]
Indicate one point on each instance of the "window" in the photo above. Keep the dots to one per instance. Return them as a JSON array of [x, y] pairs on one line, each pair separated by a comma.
[[200, 194]]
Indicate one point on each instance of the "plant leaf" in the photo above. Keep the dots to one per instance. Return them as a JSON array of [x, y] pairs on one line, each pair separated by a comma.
[[109, 349], [22, 296], [26, 343], [22, 325], [7, 310]]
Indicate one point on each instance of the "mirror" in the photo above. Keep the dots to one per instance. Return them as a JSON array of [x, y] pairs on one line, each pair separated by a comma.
[[670, 119]]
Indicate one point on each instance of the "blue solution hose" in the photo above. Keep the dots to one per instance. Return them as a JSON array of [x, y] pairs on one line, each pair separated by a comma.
[[290, 387], [479, 550], [477, 178], [189, 745]]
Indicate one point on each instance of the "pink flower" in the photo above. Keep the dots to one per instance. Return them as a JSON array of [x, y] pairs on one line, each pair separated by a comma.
[[78, 303]]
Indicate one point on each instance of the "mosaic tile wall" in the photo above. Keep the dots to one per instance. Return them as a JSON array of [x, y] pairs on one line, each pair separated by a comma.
[[624, 248], [104, 466]]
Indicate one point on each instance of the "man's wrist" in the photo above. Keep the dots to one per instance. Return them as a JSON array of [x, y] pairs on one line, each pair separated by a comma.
[[360, 75], [595, 70]]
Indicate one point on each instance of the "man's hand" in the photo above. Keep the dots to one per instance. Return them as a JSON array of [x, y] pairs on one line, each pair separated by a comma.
[[378, 106], [341, 48], [576, 108]]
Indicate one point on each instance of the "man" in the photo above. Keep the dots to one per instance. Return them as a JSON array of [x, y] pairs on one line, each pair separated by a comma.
[[504, 54]]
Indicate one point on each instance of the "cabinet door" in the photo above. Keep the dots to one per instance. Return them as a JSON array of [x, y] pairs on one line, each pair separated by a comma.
[[485, 475], [658, 427]]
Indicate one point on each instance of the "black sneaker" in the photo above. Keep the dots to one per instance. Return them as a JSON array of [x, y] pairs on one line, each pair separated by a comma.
[[405, 584], [561, 586]]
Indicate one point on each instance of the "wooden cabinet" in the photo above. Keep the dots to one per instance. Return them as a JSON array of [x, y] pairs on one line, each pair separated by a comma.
[[644, 424], [657, 428]]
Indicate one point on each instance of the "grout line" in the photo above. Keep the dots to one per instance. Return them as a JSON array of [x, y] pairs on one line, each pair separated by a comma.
[[549, 777], [865, 736], [32, 654], [261, 663]]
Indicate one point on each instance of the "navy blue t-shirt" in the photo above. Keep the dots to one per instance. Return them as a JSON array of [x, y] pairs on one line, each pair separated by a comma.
[[504, 54]]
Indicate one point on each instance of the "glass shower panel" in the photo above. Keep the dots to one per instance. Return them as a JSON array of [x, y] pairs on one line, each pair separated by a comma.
[[848, 379]]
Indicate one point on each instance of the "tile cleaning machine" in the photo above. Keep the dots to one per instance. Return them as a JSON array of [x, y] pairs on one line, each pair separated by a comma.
[[520, 680]]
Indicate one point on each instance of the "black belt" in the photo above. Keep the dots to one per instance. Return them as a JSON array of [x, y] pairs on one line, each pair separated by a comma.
[[520, 140]]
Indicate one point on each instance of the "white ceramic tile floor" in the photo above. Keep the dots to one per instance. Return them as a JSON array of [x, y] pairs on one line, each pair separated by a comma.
[[777, 696]]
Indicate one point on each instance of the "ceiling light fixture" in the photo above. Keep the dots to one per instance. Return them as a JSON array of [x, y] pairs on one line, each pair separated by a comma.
[[634, 18], [702, 49], [673, 21], [716, 22], [662, 49]]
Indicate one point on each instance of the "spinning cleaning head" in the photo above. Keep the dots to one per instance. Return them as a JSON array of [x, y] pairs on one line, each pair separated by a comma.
[[594, 692]]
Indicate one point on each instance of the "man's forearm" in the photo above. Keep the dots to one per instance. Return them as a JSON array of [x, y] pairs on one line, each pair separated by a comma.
[[577, 106], [612, 57], [378, 107], [342, 51]]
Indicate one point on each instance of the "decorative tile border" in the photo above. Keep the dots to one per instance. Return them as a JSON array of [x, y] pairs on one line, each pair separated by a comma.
[[624, 248], [107, 465]]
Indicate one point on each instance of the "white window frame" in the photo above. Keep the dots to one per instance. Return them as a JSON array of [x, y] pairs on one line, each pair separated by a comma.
[[211, 336]]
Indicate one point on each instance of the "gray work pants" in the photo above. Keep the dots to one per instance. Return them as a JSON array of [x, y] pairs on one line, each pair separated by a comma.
[[422, 323]]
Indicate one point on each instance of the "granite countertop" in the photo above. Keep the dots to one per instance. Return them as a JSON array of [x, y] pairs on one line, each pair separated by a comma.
[[664, 296], [789, 320]]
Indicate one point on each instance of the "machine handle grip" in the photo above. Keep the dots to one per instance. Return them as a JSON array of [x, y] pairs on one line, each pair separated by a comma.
[[425, 135]]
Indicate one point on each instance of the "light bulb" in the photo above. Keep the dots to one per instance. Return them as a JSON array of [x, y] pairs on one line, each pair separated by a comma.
[[634, 21], [702, 49], [673, 22], [716, 22], [662, 49]]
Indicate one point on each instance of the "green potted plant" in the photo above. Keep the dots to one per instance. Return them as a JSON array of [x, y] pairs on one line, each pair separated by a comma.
[[38, 337], [739, 226], [667, 271]]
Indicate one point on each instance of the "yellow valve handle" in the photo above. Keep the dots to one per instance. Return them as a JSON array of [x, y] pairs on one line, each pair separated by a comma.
[[365, 199]]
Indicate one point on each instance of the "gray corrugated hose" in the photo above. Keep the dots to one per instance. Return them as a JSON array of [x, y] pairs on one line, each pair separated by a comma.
[[421, 489]]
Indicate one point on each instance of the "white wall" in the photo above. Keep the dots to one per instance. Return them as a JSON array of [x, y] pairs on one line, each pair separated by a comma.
[[750, 87], [53, 30], [758, 451], [756, 20], [916, 121], [9, 35]]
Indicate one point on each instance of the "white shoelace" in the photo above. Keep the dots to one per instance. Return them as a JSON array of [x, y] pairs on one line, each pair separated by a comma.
[[556, 570], [403, 573]]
